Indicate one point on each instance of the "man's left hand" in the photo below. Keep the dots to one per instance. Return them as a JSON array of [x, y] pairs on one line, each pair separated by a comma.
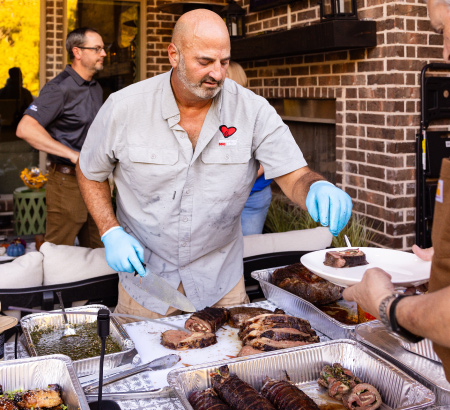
[[329, 205], [374, 287]]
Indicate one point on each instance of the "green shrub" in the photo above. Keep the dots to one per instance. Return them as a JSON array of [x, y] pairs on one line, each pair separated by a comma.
[[285, 216]]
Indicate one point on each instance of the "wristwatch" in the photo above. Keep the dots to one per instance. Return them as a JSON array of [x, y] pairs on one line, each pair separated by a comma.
[[391, 323]]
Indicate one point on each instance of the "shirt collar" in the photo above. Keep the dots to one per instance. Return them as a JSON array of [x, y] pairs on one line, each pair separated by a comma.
[[170, 109], [78, 79]]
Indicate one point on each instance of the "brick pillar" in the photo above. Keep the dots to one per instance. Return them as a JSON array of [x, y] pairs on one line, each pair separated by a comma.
[[55, 42]]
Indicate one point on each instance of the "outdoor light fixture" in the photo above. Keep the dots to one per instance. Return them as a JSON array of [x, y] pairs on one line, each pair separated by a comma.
[[234, 15], [337, 9]]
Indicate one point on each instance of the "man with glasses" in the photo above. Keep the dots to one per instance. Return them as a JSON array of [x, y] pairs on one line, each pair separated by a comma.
[[57, 123]]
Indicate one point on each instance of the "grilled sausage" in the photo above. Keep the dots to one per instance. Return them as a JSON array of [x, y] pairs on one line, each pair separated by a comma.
[[285, 396], [238, 394], [206, 400]]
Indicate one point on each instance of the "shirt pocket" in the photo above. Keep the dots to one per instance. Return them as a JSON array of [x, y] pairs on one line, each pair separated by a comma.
[[226, 174], [152, 171]]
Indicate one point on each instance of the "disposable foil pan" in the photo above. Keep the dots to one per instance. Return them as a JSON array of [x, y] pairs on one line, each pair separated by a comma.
[[428, 372], [39, 372], [90, 365], [423, 348], [303, 365], [296, 306]]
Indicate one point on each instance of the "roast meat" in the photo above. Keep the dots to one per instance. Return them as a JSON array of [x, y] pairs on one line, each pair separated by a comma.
[[347, 258], [179, 340], [301, 282], [209, 319]]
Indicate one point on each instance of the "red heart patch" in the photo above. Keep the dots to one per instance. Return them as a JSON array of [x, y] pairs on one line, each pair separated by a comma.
[[227, 132]]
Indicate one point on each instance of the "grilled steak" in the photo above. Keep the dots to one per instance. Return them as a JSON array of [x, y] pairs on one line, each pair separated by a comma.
[[206, 400], [209, 319], [178, 340], [39, 398], [238, 394], [301, 282], [238, 315], [285, 396], [347, 258], [362, 397]]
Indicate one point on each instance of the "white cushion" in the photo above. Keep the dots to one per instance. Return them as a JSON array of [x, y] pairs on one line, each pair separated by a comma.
[[26, 271], [301, 240], [65, 264]]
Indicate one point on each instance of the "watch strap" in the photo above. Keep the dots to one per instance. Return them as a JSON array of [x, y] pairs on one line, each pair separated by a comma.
[[395, 327], [382, 310]]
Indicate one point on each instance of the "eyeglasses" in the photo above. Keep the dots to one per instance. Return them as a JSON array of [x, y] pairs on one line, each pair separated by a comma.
[[97, 49]]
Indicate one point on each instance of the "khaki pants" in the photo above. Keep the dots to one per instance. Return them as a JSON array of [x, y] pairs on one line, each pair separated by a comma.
[[127, 305], [440, 267], [67, 215]]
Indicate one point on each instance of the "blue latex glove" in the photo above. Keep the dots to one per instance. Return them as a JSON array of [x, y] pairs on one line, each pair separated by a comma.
[[329, 205], [123, 252]]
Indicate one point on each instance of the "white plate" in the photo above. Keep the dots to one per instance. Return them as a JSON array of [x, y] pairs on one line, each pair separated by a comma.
[[405, 268]]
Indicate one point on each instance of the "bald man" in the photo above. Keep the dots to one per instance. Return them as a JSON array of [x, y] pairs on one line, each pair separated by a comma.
[[185, 148]]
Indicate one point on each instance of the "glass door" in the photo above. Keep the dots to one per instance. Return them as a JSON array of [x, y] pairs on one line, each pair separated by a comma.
[[118, 22]]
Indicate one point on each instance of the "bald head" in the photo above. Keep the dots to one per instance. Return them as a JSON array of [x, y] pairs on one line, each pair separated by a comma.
[[199, 24]]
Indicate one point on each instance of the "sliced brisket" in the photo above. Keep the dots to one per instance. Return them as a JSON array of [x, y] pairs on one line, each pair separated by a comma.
[[248, 351], [240, 314], [267, 345]]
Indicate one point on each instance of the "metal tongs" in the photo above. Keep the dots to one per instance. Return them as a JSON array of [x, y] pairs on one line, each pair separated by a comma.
[[158, 364]]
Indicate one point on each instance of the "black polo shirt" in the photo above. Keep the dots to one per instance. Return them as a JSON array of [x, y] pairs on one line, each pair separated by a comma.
[[66, 107]]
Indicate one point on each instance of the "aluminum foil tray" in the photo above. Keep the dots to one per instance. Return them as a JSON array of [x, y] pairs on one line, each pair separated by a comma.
[[39, 372], [90, 365], [296, 306], [428, 372], [423, 348], [303, 365]]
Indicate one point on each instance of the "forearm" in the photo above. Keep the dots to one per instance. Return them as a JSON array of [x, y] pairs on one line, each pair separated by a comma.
[[97, 196], [427, 315], [37, 136], [296, 184]]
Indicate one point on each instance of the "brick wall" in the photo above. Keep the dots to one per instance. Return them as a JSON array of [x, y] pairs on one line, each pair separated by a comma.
[[377, 96], [159, 32]]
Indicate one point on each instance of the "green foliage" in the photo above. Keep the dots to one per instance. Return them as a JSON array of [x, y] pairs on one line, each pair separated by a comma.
[[19, 41], [285, 216]]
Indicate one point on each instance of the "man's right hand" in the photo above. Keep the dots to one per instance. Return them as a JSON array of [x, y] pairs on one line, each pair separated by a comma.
[[123, 252], [424, 254]]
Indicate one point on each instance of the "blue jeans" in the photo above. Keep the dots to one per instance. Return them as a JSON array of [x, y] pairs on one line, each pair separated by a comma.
[[255, 211]]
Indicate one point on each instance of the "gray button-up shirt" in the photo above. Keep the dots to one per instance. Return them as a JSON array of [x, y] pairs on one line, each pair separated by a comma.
[[184, 205]]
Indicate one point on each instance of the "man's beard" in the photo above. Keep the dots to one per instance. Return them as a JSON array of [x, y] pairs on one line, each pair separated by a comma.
[[196, 89]]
